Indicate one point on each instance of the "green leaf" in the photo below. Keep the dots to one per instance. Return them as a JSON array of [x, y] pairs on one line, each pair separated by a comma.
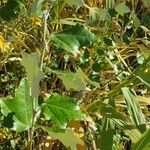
[[37, 8], [103, 14], [134, 109], [108, 41], [144, 142], [107, 135], [75, 2], [71, 80], [31, 64], [76, 81], [74, 38], [122, 8], [144, 77], [21, 105], [68, 138], [96, 67], [61, 110]]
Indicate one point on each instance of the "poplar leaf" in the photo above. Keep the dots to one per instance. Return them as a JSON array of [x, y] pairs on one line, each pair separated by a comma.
[[68, 138], [31, 64], [61, 110]]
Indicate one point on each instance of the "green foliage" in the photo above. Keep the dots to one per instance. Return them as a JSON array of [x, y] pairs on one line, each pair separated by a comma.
[[68, 138], [76, 81], [135, 112], [122, 8], [143, 142], [34, 74], [37, 8], [90, 78], [72, 39], [62, 110], [75, 2], [71, 80], [21, 105], [107, 133]]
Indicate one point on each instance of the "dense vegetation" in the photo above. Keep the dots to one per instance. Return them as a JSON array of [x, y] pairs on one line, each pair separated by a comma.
[[74, 74]]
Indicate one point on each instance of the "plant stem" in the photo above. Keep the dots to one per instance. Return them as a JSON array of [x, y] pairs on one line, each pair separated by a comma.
[[31, 129], [44, 38]]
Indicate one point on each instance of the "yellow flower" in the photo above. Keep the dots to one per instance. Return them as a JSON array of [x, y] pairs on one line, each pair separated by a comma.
[[36, 21], [3, 45]]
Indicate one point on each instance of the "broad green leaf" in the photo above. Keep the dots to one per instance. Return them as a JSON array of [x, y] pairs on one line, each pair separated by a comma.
[[107, 135], [74, 38], [31, 64], [122, 8], [37, 8], [144, 142], [68, 138], [76, 81], [71, 80], [134, 109], [4, 109], [62, 109], [75, 2], [21, 105]]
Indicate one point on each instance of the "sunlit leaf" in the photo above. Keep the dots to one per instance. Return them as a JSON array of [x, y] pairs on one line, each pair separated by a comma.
[[37, 8], [122, 8], [75, 2], [62, 109], [144, 142], [21, 105], [74, 80], [134, 109], [31, 64], [103, 14], [74, 38], [68, 138], [71, 80]]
